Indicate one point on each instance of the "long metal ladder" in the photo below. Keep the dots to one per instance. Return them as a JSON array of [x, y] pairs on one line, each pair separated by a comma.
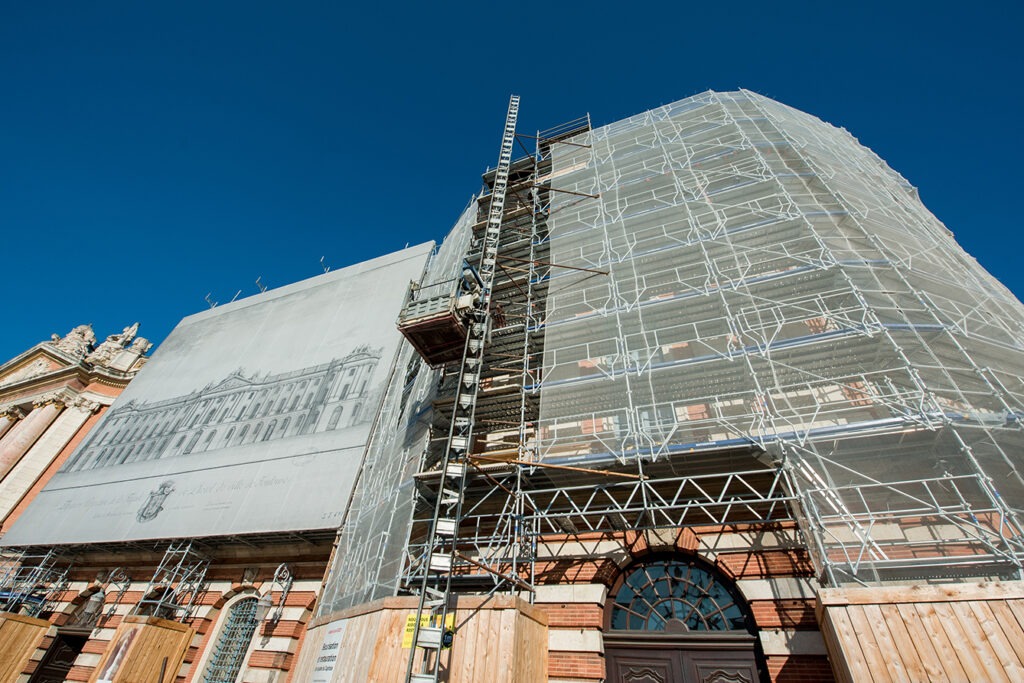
[[430, 631]]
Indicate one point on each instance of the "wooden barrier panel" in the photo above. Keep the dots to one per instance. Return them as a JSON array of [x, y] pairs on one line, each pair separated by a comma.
[[954, 632], [138, 650], [498, 639], [20, 637]]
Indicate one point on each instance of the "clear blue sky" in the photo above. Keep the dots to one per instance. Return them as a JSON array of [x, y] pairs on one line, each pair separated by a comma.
[[151, 152]]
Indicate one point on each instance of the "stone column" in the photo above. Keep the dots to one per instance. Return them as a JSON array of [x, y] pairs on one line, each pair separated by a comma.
[[28, 470], [8, 417], [17, 442]]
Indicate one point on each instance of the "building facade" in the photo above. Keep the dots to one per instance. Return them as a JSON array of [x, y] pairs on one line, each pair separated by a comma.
[[737, 370], [50, 398], [732, 406], [195, 522]]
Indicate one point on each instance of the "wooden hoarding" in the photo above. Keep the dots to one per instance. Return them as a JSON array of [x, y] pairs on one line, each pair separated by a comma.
[[499, 640], [954, 632], [141, 648], [20, 637]]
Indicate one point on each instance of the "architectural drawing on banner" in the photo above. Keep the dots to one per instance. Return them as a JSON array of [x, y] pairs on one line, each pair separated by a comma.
[[236, 411]]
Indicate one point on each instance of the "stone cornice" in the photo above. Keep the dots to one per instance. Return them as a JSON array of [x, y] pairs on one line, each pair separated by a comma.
[[86, 375]]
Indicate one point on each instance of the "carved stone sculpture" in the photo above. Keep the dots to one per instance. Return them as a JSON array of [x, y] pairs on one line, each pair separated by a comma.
[[77, 343], [113, 345]]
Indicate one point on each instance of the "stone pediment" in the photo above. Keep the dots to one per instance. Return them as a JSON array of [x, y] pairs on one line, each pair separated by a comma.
[[33, 363]]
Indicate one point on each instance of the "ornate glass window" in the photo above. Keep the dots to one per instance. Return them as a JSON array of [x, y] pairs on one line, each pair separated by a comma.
[[232, 644], [663, 591]]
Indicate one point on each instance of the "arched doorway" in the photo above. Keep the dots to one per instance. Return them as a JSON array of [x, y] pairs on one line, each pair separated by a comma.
[[672, 619]]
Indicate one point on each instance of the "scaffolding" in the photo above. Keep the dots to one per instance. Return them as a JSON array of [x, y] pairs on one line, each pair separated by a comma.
[[719, 313], [775, 287], [177, 585], [32, 580]]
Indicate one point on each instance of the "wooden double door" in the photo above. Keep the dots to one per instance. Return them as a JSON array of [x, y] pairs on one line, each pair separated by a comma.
[[684, 658]]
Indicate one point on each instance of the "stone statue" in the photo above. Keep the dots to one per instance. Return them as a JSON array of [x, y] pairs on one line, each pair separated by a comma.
[[113, 345], [128, 333], [78, 342], [141, 345]]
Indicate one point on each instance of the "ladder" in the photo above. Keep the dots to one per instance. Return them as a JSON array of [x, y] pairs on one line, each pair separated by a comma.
[[430, 631]]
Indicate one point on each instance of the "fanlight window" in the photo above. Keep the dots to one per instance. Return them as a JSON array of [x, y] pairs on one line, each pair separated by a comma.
[[670, 591]]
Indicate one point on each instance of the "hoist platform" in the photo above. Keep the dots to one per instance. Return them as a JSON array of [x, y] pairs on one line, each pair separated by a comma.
[[435, 321]]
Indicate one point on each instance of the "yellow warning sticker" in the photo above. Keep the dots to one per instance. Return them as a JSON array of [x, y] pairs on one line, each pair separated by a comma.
[[410, 626]]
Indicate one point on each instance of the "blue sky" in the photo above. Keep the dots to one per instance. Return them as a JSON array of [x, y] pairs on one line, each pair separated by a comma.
[[153, 152]]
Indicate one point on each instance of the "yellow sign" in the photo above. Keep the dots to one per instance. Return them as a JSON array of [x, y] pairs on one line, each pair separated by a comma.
[[410, 626]]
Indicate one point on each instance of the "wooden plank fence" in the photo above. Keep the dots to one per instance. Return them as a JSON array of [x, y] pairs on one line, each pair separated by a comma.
[[498, 640], [953, 632], [20, 636]]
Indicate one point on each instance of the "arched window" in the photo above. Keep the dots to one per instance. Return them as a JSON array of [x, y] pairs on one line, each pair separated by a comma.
[[270, 430], [656, 594], [335, 418], [235, 631], [241, 435], [192, 443], [209, 440]]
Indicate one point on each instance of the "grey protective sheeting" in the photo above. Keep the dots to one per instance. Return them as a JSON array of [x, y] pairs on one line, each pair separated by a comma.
[[373, 541], [251, 417], [774, 284]]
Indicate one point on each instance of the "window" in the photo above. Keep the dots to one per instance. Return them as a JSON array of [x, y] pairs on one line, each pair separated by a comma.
[[236, 631], [335, 418], [657, 592], [209, 440], [192, 443]]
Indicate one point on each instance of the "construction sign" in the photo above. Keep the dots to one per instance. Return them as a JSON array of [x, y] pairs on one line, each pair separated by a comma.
[[425, 620]]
